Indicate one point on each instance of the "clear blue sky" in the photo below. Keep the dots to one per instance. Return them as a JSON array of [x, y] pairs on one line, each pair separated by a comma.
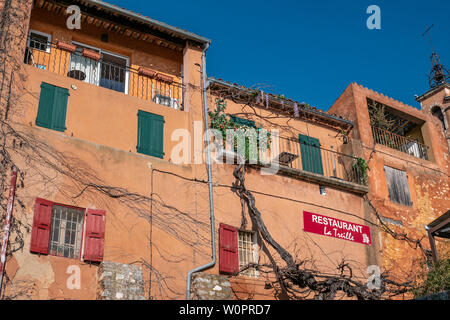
[[312, 50]]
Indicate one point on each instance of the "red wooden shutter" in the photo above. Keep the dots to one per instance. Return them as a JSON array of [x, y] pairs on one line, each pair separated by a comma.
[[42, 221], [228, 249], [95, 235]]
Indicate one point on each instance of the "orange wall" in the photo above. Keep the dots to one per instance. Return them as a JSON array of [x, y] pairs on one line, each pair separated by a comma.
[[94, 114], [171, 232], [428, 180], [140, 52], [282, 201], [100, 115]]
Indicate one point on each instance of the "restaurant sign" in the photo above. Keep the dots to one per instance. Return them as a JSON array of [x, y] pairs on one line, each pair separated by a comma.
[[331, 227]]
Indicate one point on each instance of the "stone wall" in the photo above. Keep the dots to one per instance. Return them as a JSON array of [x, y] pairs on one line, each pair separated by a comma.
[[119, 281], [210, 287]]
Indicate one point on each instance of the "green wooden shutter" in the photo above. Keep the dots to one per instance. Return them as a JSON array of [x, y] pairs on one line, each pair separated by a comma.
[[311, 154], [52, 108], [243, 122], [45, 109], [60, 109], [150, 134]]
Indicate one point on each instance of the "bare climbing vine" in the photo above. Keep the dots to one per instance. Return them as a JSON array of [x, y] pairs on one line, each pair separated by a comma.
[[294, 277], [41, 166], [300, 282]]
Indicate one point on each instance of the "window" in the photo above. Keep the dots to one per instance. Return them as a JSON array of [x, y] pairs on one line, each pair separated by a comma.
[[247, 252], [37, 52], [65, 236], [39, 40], [52, 107], [113, 72], [311, 154], [150, 140], [110, 72], [397, 182], [83, 68], [58, 230], [237, 249]]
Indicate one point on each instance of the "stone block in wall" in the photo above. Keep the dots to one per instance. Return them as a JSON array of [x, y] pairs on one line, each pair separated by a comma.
[[210, 287], [119, 281]]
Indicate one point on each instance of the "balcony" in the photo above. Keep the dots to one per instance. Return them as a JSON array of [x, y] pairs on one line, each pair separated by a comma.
[[398, 130], [400, 143], [305, 160], [321, 162], [104, 69]]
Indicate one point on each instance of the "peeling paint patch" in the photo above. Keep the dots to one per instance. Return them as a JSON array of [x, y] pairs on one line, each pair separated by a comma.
[[392, 221]]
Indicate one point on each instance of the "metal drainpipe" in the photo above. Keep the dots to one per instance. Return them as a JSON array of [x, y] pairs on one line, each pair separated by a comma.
[[9, 209], [210, 184]]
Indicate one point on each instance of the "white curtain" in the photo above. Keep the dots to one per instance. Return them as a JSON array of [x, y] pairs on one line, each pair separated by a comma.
[[87, 67]]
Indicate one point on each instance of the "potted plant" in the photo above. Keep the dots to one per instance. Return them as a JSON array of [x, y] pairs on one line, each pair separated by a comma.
[[360, 168], [164, 78], [142, 71], [91, 54], [64, 46]]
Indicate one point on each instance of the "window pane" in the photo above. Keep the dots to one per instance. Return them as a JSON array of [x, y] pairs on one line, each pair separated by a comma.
[[66, 231], [113, 72], [38, 41], [247, 253]]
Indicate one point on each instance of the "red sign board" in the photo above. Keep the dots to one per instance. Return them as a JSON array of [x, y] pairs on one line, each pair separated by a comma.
[[331, 227]]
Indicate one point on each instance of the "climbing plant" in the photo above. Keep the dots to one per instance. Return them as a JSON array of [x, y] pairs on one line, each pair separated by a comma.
[[225, 124], [437, 280], [360, 168]]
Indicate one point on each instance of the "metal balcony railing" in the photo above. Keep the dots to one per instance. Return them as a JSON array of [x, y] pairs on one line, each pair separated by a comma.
[[290, 152], [400, 143], [321, 161], [149, 85]]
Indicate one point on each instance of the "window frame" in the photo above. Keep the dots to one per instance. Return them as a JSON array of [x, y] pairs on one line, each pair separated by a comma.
[[83, 222], [92, 236], [255, 253], [389, 184], [49, 39], [99, 64]]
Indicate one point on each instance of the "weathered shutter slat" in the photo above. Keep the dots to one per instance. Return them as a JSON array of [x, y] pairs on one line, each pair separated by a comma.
[[398, 188], [228, 249], [42, 221], [95, 235]]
